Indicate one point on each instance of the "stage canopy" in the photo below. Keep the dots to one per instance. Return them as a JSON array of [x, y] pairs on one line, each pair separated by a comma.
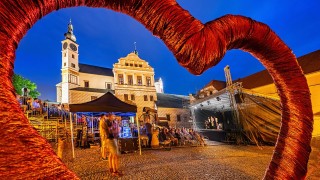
[[106, 103]]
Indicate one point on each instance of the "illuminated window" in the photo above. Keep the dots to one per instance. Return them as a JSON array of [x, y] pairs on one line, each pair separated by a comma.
[[148, 81], [130, 80], [139, 79], [73, 79], [120, 79]]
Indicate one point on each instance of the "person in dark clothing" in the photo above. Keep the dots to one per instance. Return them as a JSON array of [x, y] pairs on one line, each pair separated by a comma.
[[148, 127]]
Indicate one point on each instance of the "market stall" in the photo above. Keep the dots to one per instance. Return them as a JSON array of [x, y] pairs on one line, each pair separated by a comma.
[[109, 103]]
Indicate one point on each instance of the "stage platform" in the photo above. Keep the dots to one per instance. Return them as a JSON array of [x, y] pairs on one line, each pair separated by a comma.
[[214, 134]]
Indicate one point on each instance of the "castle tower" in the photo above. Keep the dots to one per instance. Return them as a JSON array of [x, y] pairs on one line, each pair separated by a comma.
[[70, 66]]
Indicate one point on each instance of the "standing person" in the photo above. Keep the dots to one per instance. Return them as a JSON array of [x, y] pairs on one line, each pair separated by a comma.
[[148, 128], [103, 128], [113, 149], [84, 138]]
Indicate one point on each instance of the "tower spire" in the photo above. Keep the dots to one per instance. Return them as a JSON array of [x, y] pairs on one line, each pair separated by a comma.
[[135, 48], [69, 34]]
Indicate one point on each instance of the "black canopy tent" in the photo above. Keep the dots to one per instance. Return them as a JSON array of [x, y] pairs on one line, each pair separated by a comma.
[[106, 103]]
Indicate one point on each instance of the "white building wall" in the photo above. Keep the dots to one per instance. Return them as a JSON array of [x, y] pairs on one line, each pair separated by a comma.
[[82, 96], [96, 81], [173, 112], [59, 93]]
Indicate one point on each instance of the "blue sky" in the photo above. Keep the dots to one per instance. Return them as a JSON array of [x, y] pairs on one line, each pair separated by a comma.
[[104, 36]]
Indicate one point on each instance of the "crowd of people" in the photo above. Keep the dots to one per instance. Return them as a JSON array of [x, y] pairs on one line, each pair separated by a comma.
[[35, 106], [175, 136]]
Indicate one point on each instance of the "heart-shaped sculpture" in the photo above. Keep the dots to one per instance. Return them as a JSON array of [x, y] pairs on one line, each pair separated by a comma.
[[197, 47]]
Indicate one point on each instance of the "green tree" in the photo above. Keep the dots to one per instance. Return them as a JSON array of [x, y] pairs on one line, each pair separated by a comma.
[[20, 82]]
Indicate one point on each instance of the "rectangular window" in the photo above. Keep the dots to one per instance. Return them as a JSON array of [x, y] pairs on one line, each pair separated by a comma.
[[130, 80], [140, 65], [127, 64], [145, 98], [64, 64], [73, 79], [139, 79], [73, 65], [120, 78], [126, 97], [72, 56], [178, 117], [94, 97], [65, 54], [168, 117], [86, 84], [148, 81], [151, 98], [132, 97], [108, 85]]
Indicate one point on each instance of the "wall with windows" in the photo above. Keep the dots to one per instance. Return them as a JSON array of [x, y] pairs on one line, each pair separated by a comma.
[[134, 82], [83, 96], [179, 117], [139, 98], [96, 81]]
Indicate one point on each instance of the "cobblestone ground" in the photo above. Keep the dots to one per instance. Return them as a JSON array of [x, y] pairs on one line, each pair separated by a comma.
[[215, 161]]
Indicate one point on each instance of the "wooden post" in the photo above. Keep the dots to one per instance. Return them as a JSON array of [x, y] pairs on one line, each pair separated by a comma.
[[92, 124], [71, 131], [139, 136]]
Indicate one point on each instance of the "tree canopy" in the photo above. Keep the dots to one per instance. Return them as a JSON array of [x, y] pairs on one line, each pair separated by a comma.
[[20, 82]]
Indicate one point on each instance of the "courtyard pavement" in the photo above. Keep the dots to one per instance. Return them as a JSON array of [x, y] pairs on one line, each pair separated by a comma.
[[215, 161]]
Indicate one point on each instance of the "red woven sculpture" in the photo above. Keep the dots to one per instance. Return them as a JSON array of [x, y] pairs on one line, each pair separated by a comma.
[[196, 46]]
